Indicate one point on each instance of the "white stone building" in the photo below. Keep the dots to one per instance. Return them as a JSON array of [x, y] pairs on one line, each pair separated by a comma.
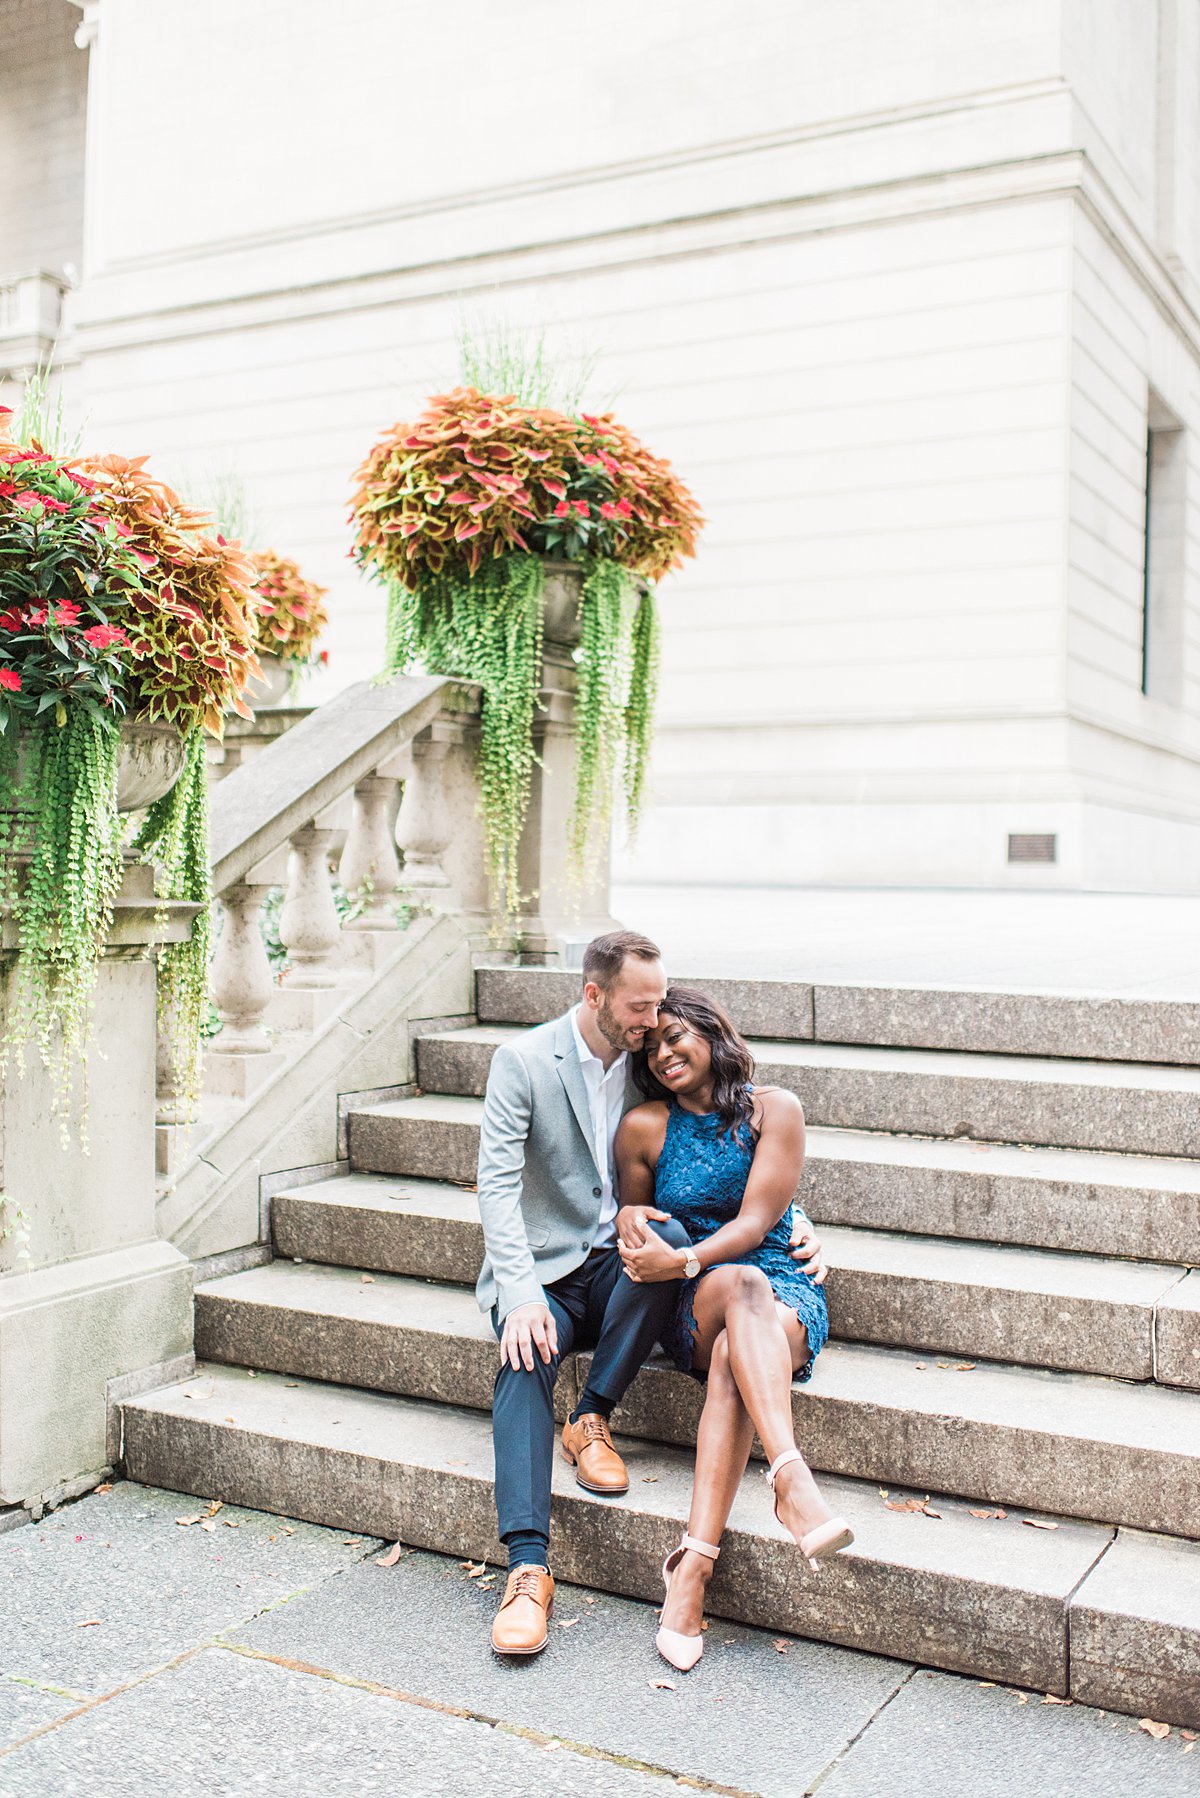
[[907, 293]]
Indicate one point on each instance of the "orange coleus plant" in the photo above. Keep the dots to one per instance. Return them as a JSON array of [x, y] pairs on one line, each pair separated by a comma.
[[191, 630], [478, 477], [289, 612]]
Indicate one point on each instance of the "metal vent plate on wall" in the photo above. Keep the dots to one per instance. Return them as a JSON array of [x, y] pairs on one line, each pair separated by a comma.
[[1033, 848]]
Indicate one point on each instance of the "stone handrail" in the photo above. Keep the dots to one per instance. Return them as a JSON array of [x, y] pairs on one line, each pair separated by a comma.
[[332, 785]]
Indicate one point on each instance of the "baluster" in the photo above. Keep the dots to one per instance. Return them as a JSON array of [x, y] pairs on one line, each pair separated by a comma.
[[369, 858], [425, 824], [309, 925], [241, 984]]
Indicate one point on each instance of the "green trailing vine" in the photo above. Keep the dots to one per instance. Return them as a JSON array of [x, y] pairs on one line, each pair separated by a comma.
[[485, 627], [606, 610], [66, 835], [174, 838]]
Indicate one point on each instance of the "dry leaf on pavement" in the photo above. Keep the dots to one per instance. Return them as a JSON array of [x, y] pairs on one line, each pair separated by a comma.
[[89, 1623], [391, 1557], [367, 1279], [1160, 1731], [1051, 1699], [566, 1623], [1189, 1735], [781, 1645], [106, 1487], [1039, 1523], [662, 1685], [965, 1367]]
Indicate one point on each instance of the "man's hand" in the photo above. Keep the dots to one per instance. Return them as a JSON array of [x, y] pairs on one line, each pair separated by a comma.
[[525, 1328], [653, 1259], [807, 1251], [631, 1224]]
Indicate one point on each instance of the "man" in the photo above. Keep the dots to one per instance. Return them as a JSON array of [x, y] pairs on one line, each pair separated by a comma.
[[552, 1276]]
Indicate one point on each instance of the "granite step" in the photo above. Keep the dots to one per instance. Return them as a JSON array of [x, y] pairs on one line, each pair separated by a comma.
[[1046, 1310], [987, 1597], [1130, 1108], [1077, 1444], [1145, 1207], [980, 1020]]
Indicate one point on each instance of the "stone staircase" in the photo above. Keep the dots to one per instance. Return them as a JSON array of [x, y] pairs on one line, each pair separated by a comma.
[[1014, 1329]]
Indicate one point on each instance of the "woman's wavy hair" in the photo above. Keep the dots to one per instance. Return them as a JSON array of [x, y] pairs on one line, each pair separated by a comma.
[[732, 1062]]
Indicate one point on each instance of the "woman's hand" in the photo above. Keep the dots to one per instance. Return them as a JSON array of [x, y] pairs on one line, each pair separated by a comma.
[[806, 1250], [653, 1260], [631, 1224]]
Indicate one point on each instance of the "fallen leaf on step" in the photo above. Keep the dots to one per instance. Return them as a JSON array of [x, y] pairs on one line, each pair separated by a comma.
[[987, 1685], [208, 1524], [920, 1366], [1022, 1697], [588, 1598], [649, 1479], [1039, 1523], [391, 1557], [895, 1504], [187, 1522], [1051, 1699], [1189, 1735], [928, 1512], [106, 1487], [781, 1645], [474, 1572], [566, 1623], [250, 1373], [89, 1623], [367, 1279], [1188, 1747], [662, 1685], [965, 1367], [1160, 1731], [288, 1530], [230, 1420], [231, 1523], [944, 1364], [989, 1515], [218, 1504], [347, 1541], [883, 1491], [455, 1463]]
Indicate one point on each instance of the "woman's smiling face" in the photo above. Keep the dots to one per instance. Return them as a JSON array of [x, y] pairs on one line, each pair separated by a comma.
[[679, 1057]]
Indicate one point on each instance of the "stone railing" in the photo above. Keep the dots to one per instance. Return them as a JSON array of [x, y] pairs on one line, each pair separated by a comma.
[[359, 786]]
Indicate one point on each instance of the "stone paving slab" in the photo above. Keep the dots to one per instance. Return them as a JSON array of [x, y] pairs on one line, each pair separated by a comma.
[[156, 1588], [945, 1737], [24, 1708], [748, 1716], [224, 1724]]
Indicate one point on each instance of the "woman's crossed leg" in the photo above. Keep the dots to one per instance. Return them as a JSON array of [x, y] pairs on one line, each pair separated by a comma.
[[751, 1346]]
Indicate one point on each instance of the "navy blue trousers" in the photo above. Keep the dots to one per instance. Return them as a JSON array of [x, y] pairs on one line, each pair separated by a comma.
[[595, 1304]]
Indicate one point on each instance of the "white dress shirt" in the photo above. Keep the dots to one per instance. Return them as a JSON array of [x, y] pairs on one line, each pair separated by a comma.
[[606, 1101]]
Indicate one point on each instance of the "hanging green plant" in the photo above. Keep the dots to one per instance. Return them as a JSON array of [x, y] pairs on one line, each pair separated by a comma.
[[454, 513], [115, 609]]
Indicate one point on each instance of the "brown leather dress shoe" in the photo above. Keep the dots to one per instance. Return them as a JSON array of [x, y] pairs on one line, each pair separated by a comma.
[[520, 1625], [589, 1448]]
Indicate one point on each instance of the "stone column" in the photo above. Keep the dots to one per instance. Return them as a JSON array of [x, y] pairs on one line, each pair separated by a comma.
[[369, 865], [308, 924], [96, 1297], [426, 823]]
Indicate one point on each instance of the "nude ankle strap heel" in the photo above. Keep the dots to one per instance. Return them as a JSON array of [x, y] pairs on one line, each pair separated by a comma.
[[827, 1538], [682, 1652]]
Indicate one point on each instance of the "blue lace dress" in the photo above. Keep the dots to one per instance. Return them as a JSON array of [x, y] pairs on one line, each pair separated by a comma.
[[700, 1179]]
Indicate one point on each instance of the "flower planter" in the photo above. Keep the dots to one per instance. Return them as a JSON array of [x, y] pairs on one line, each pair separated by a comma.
[[150, 762], [560, 605], [275, 687]]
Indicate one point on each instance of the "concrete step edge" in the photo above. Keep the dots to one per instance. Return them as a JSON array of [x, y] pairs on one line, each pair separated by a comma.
[[985, 1597]]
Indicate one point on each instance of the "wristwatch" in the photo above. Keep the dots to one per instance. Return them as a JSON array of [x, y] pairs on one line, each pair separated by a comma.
[[691, 1266]]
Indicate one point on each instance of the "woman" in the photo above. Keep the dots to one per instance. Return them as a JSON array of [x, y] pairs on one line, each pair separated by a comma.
[[723, 1156]]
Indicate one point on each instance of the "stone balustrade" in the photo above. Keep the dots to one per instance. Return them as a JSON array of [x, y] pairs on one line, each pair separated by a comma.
[[358, 785]]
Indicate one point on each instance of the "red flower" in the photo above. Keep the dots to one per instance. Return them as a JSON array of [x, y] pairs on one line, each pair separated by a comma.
[[55, 505], [105, 636], [608, 510], [324, 656], [11, 620], [562, 509], [583, 509], [10, 680], [7, 489], [67, 613]]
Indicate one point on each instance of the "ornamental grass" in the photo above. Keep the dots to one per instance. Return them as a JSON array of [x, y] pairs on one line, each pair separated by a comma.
[[458, 514]]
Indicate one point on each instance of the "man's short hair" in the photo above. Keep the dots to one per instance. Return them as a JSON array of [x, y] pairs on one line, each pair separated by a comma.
[[605, 956]]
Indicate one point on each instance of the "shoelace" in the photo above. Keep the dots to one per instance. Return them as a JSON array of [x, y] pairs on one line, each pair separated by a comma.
[[594, 1430], [525, 1585]]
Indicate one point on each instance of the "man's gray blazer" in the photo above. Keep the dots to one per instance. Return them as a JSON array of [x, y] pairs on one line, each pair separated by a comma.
[[539, 1186]]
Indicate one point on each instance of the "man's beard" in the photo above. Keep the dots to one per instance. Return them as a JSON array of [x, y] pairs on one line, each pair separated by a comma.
[[610, 1030]]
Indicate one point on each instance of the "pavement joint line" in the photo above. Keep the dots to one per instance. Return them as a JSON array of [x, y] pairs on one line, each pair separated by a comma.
[[1069, 1604], [92, 1704], [857, 1737], [527, 1733], [44, 1685]]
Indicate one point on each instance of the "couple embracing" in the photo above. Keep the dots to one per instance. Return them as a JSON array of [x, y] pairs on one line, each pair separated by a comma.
[[635, 1188]]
